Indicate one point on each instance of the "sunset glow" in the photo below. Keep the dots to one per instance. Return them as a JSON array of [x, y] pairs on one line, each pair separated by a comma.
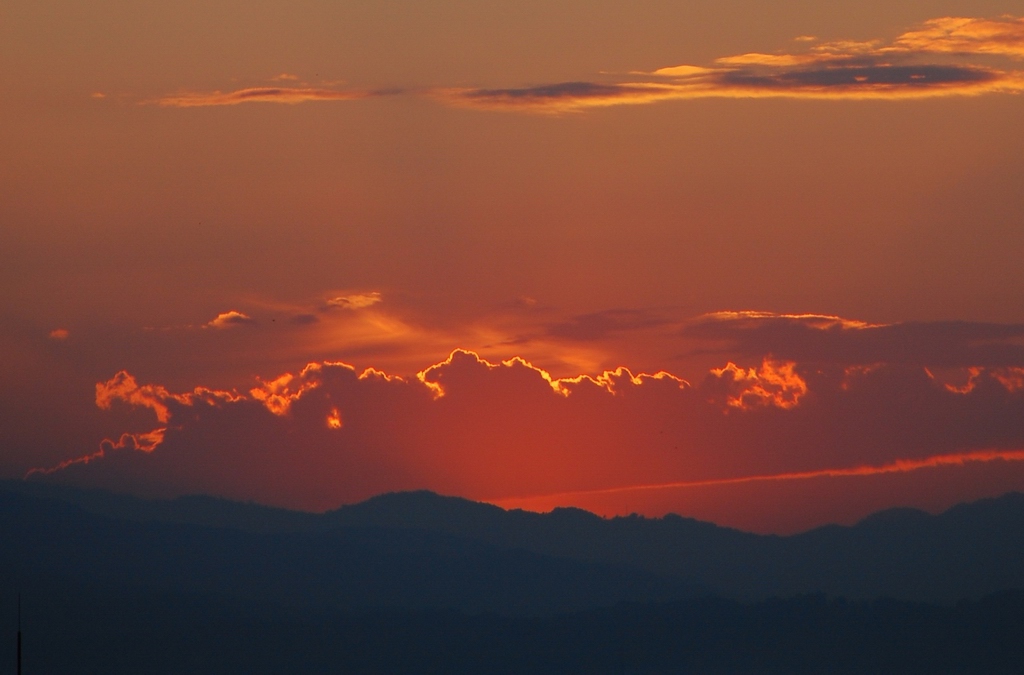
[[495, 430], [546, 502], [758, 265]]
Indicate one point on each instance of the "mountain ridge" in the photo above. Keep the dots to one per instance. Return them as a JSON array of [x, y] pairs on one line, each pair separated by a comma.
[[967, 551]]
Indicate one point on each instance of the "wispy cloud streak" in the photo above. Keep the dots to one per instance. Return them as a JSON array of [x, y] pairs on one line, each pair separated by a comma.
[[898, 466], [289, 95]]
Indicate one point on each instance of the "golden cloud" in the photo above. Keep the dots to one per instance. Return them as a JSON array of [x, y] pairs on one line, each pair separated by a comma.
[[291, 95], [774, 383], [910, 67], [229, 320], [960, 35], [355, 301]]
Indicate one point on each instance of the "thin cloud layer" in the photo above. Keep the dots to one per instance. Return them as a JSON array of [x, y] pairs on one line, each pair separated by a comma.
[[229, 320], [895, 467], [966, 36], [599, 325], [355, 301], [932, 60], [832, 340], [911, 66], [289, 95], [330, 435]]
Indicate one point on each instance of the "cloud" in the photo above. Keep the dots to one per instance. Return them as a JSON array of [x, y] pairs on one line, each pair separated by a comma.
[[774, 383], [123, 387], [870, 81], [59, 334], [965, 36], [909, 67], [881, 81], [560, 97], [355, 301], [820, 339], [291, 95], [230, 320], [304, 319], [330, 434], [680, 71], [942, 57], [898, 466], [600, 325]]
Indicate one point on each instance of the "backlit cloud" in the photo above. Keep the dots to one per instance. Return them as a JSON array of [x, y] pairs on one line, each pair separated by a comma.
[[330, 434], [355, 301], [773, 383], [911, 66], [230, 319]]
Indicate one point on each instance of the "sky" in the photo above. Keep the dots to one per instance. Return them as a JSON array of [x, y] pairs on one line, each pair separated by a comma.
[[754, 263]]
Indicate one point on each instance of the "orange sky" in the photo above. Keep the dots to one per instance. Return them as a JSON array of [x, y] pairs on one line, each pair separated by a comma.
[[828, 196]]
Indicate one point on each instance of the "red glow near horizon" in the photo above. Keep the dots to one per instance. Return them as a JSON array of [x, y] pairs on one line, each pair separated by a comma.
[[331, 435], [590, 499], [899, 466], [677, 252]]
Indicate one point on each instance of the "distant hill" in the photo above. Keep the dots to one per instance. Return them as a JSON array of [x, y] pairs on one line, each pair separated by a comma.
[[422, 549], [969, 551], [416, 583], [49, 543]]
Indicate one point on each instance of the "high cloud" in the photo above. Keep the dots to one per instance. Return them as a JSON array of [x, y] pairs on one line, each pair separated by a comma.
[[914, 65], [355, 301], [230, 319], [330, 434], [946, 56], [958, 35], [598, 325], [819, 339], [196, 99]]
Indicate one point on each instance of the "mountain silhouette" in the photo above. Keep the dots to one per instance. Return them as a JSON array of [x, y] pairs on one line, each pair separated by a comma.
[[419, 583], [969, 551]]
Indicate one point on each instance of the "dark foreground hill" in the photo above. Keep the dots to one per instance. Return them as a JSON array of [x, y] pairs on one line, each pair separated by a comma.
[[49, 543], [417, 583], [98, 630], [967, 552]]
